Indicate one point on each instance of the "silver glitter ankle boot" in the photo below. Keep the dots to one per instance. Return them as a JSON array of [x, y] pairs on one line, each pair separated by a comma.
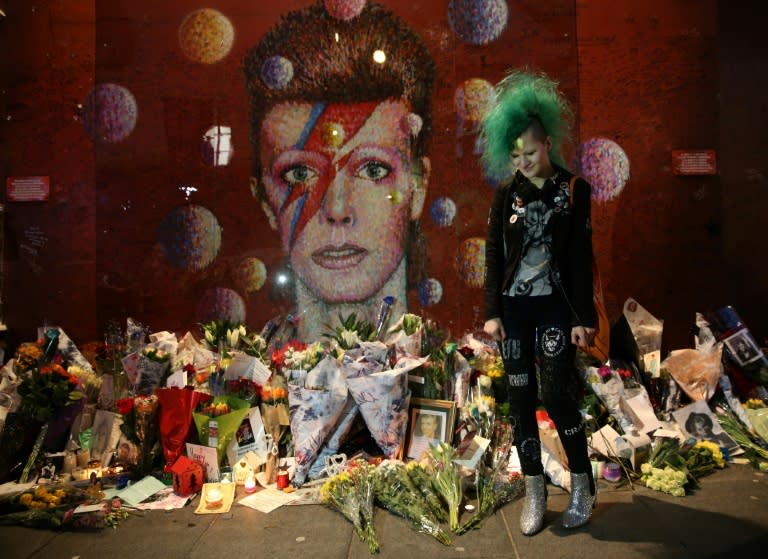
[[535, 505], [581, 503]]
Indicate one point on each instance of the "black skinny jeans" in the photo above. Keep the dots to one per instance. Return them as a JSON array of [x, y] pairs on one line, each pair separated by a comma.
[[539, 329]]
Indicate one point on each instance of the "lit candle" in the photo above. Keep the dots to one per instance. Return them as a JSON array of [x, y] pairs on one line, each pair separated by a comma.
[[282, 479], [214, 497], [250, 483]]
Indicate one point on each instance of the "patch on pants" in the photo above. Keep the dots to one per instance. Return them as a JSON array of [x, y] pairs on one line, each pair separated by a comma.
[[510, 349], [518, 380], [553, 341], [531, 449]]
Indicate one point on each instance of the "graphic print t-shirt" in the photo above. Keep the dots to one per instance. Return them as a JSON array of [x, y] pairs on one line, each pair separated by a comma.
[[532, 277]]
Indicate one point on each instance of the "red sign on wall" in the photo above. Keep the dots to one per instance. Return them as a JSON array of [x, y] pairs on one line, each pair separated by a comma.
[[27, 189], [694, 162]]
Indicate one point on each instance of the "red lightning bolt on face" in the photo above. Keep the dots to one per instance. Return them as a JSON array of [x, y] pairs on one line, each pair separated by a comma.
[[346, 119]]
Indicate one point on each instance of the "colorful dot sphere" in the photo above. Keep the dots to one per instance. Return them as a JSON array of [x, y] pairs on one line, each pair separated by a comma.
[[109, 113], [190, 237], [430, 292], [344, 9], [470, 261], [605, 165], [249, 275], [478, 22], [473, 98], [206, 36], [443, 211], [220, 303], [276, 72]]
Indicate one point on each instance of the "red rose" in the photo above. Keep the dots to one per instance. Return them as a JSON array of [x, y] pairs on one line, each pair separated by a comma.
[[124, 406]]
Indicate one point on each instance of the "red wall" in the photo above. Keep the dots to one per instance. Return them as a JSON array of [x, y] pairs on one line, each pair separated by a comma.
[[644, 75]]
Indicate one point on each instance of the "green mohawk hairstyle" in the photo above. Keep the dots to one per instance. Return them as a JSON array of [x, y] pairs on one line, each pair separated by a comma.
[[522, 97]]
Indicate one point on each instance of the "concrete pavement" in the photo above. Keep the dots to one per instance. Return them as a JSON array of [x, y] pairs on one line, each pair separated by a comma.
[[727, 517]]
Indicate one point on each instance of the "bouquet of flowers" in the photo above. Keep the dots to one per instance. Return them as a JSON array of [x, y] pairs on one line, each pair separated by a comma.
[[89, 380], [217, 333], [494, 490], [279, 356], [609, 386], [274, 414], [177, 406], [406, 336], [479, 410], [140, 427], [315, 409], [673, 468], [383, 398], [254, 345], [217, 421], [667, 479], [339, 493], [153, 367], [754, 446], [421, 480], [362, 474], [494, 487], [351, 332], [447, 480], [47, 390], [44, 506], [395, 492], [351, 493]]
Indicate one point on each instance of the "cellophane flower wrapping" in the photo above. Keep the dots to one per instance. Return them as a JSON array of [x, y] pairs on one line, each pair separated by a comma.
[[177, 406], [192, 352], [396, 493], [383, 398], [339, 493], [152, 368], [227, 422], [315, 409], [494, 485], [609, 387], [363, 476], [421, 481], [276, 419], [696, 372], [45, 506], [406, 336], [338, 435], [447, 480]]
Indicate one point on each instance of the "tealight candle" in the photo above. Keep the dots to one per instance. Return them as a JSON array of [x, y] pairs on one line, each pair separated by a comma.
[[250, 483], [611, 472], [214, 498]]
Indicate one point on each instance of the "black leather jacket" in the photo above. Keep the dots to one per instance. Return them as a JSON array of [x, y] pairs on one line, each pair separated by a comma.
[[571, 240]]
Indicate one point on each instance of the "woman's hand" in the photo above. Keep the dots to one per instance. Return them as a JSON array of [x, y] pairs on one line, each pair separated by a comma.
[[494, 329], [582, 337]]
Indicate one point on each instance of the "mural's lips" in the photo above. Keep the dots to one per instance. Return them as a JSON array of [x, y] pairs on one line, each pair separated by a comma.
[[339, 257]]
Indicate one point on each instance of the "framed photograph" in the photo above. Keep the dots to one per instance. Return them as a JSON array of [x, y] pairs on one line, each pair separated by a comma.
[[697, 421], [743, 347], [429, 422]]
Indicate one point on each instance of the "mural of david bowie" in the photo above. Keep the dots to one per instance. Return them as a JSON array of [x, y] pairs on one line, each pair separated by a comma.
[[339, 139]]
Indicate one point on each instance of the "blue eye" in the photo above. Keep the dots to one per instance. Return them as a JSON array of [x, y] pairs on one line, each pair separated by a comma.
[[300, 174], [374, 171]]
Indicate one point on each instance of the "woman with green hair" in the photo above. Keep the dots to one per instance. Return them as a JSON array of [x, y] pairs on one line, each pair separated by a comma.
[[538, 281]]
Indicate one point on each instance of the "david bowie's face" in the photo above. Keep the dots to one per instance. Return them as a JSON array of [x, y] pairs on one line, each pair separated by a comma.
[[341, 183]]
